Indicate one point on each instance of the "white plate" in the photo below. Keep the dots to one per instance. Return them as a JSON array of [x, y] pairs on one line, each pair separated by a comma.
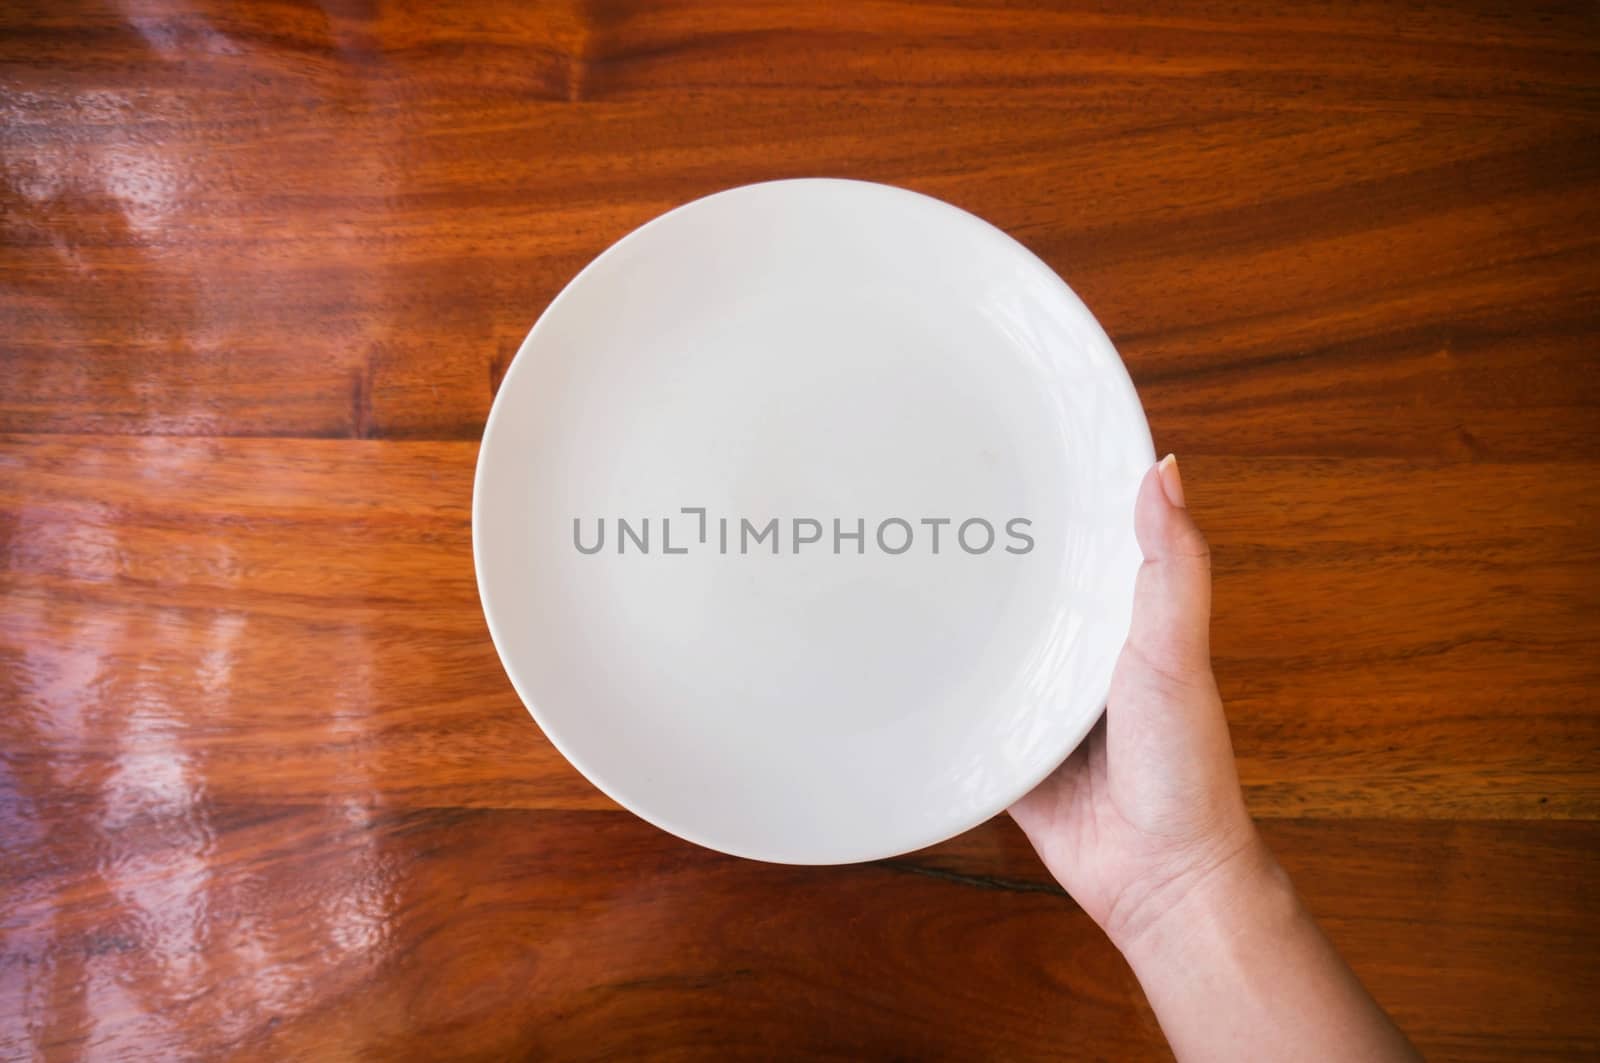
[[823, 350]]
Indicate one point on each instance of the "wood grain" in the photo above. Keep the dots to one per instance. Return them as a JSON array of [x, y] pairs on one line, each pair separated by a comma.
[[1367, 591], [1285, 249], [572, 935], [265, 792]]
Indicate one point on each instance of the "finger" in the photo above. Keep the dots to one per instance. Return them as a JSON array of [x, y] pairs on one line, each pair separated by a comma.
[[1171, 629]]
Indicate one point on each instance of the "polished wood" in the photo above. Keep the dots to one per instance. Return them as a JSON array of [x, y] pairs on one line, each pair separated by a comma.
[[264, 789], [353, 929]]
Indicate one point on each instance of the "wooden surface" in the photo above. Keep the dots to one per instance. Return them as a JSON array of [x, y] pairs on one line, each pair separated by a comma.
[[265, 792]]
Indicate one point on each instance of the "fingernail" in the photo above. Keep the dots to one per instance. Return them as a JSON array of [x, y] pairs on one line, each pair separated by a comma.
[[1171, 482]]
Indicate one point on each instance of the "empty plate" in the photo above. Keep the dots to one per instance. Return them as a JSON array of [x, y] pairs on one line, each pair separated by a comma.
[[803, 520]]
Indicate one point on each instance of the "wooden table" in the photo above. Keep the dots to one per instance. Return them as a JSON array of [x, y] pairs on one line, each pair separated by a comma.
[[265, 791]]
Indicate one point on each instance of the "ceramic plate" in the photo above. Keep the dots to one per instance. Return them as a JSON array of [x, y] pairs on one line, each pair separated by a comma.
[[803, 520]]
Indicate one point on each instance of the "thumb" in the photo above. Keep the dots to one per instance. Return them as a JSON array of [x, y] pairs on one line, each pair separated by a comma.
[[1171, 629], [1167, 746]]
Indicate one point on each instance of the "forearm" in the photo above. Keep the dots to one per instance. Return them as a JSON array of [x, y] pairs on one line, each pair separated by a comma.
[[1238, 970]]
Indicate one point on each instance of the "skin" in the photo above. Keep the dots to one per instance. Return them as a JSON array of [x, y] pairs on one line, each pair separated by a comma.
[[1145, 825]]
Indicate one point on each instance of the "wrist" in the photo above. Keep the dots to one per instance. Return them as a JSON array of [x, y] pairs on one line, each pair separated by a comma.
[[1239, 891], [1235, 967]]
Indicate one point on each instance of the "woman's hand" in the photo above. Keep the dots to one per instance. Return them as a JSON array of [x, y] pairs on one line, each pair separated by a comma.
[[1146, 827], [1148, 809]]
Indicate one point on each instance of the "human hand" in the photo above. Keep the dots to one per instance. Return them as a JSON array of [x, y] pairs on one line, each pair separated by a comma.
[[1147, 812], [1146, 827]]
